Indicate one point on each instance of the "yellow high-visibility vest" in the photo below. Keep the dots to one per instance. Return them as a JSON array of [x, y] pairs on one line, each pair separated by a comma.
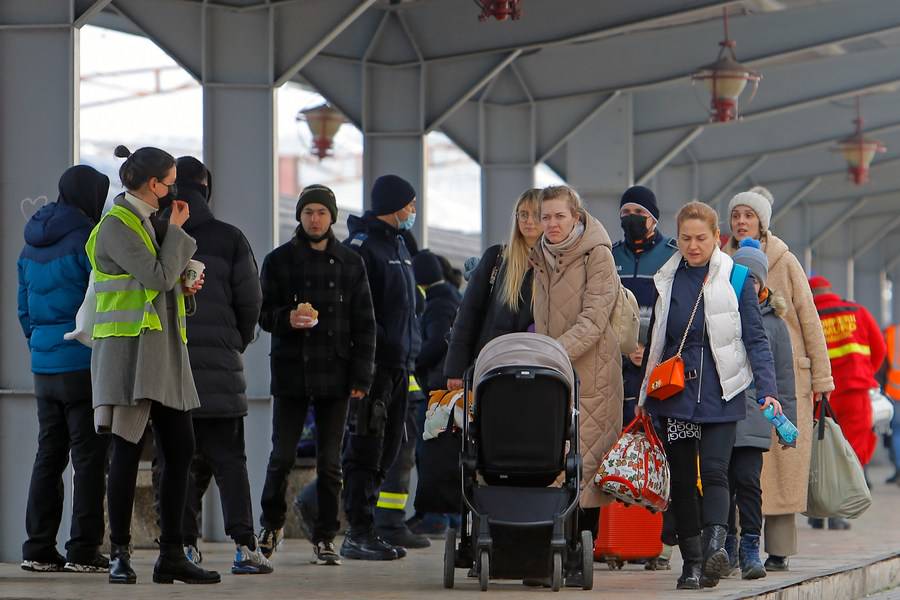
[[124, 306]]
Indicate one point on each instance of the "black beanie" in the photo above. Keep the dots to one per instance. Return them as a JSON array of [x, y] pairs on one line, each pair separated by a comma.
[[427, 268], [391, 193], [641, 196], [318, 194]]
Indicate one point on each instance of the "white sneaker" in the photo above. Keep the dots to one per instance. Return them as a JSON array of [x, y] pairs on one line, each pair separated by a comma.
[[250, 562]]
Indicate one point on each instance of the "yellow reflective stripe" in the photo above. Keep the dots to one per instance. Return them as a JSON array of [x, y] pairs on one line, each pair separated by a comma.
[[413, 384], [392, 500], [852, 348]]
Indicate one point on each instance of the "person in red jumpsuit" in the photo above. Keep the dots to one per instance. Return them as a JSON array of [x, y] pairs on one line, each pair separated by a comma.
[[856, 349]]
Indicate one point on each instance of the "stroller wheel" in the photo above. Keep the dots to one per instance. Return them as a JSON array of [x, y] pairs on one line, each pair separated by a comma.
[[484, 574], [587, 560], [449, 558], [556, 579]]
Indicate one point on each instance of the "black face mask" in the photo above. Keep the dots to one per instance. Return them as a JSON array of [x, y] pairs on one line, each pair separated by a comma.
[[166, 201], [635, 227]]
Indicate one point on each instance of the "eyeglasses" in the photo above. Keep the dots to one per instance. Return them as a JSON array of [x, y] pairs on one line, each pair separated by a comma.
[[523, 215]]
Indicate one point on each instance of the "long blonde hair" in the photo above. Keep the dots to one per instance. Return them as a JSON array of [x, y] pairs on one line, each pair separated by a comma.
[[515, 254]]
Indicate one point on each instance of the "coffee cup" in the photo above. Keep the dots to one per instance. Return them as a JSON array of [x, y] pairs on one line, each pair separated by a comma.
[[193, 272]]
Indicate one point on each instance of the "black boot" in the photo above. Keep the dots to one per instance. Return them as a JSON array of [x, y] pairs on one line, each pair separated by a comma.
[[120, 570], [692, 566], [172, 565], [715, 558]]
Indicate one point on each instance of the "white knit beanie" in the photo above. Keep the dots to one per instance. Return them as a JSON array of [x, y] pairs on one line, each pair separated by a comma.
[[760, 204]]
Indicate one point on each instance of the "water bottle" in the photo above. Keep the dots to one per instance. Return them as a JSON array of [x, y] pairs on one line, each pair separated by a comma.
[[786, 430]]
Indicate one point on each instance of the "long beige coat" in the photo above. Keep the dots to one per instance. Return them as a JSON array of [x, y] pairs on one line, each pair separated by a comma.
[[785, 473], [573, 301]]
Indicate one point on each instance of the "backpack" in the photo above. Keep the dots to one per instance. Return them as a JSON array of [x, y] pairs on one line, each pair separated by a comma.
[[625, 318]]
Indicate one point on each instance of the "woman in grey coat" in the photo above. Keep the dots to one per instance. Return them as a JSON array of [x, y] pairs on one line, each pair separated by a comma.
[[754, 434], [139, 367]]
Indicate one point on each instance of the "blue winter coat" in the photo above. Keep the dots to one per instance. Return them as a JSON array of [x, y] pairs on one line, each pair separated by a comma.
[[393, 285], [637, 270], [756, 431], [53, 276]]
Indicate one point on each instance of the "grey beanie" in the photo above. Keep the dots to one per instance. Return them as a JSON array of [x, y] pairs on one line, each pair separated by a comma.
[[750, 254], [761, 205]]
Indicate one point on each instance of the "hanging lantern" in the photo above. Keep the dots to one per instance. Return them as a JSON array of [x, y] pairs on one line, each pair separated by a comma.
[[726, 80], [499, 9], [324, 122], [858, 150]]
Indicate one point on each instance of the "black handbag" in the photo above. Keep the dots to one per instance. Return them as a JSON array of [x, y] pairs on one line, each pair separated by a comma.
[[440, 481]]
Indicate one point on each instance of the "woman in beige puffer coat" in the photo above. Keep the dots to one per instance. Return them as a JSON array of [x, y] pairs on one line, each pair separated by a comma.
[[785, 473], [575, 289]]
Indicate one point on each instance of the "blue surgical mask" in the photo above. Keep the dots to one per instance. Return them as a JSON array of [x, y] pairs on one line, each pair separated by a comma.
[[408, 222]]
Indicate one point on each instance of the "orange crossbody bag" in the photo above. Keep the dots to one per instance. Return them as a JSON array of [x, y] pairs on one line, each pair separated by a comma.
[[667, 378]]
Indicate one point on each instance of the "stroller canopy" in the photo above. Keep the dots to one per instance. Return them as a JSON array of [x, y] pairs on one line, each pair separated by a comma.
[[524, 350]]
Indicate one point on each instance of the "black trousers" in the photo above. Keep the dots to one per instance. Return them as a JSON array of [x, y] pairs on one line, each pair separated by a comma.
[[66, 423], [746, 493], [717, 440], [173, 436], [374, 436], [219, 452], [288, 417], [396, 480]]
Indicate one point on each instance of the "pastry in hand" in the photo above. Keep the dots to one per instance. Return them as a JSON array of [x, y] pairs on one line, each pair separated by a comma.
[[306, 310]]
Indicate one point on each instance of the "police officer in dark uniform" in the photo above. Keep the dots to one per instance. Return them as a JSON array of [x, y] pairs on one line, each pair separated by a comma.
[[376, 422]]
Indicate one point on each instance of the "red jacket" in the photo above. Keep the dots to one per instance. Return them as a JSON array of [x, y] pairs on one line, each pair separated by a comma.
[[855, 344]]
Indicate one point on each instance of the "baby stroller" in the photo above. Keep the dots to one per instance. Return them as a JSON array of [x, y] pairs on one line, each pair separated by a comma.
[[523, 435]]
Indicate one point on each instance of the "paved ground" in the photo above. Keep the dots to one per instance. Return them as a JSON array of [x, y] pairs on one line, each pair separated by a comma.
[[876, 534]]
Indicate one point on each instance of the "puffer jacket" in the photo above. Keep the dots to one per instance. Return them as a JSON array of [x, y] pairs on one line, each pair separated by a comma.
[[53, 276], [755, 431], [224, 322], [573, 301]]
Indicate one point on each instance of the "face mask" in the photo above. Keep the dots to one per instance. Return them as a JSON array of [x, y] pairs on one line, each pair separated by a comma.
[[166, 201], [634, 226], [408, 222]]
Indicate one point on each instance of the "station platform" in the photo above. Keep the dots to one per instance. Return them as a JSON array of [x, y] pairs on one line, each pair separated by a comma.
[[839, 565]]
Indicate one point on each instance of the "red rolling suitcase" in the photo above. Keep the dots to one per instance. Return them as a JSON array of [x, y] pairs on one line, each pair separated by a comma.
[[627, 533]]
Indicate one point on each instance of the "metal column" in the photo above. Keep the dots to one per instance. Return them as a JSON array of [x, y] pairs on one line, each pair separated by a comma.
[[393, 118], [38, 132], [239, 149], [600, 162], [507, 154]]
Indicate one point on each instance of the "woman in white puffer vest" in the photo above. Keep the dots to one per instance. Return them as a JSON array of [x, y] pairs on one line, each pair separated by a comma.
[[724, 340]]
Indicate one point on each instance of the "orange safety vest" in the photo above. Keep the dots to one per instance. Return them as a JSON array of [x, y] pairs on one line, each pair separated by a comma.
[[892, 386]]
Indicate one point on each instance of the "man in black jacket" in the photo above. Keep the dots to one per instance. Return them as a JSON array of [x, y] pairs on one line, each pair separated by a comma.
[[441, 304], [220, 329], [322, 356], [377, 421]]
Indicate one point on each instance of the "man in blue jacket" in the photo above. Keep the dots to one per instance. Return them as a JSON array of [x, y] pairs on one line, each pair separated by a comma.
[[376, 422], [638, 257], [644, 250], [53, 274]]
